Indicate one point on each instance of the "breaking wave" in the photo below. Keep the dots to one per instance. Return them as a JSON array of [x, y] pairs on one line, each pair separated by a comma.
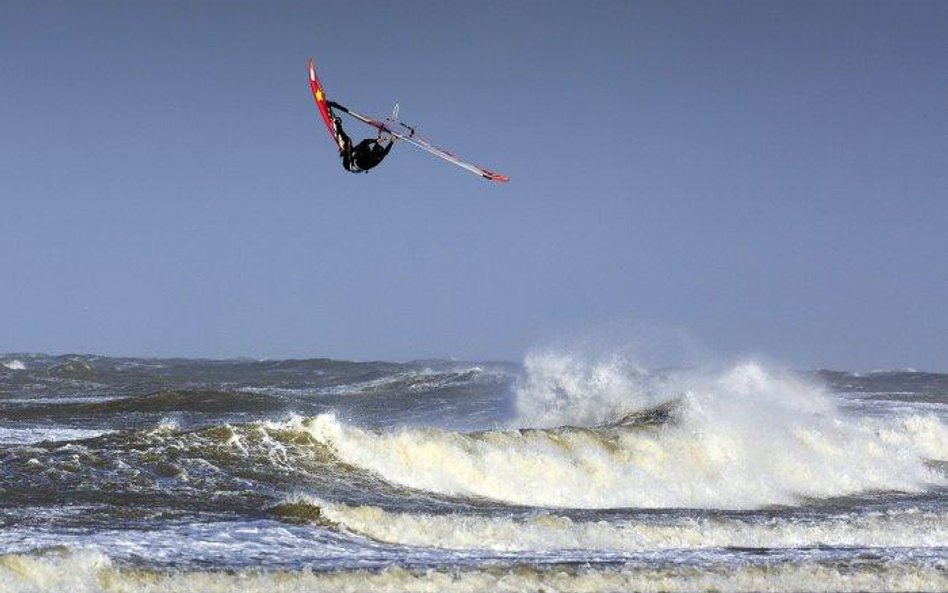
[[547, 531], [744, 438], [13, 365]]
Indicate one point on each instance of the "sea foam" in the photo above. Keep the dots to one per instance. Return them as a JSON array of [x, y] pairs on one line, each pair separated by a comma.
[[93, 572]]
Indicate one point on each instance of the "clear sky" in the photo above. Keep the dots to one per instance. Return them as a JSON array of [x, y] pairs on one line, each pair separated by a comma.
[[769, 178]]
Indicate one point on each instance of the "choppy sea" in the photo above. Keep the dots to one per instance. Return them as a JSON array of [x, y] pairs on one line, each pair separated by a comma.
[[551, 474]]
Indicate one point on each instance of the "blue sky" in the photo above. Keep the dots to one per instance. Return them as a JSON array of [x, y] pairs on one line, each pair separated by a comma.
[[768, 178]]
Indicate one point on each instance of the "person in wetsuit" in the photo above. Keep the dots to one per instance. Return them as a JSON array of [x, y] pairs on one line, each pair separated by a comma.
[[364, 155]]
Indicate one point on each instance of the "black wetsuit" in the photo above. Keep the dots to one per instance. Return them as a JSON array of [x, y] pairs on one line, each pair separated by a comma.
[[364, 155]]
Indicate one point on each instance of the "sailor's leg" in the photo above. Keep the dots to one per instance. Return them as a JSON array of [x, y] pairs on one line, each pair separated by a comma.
[[342, 139]]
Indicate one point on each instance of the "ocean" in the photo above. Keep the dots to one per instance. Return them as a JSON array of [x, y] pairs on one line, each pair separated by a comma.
[[556, 473]]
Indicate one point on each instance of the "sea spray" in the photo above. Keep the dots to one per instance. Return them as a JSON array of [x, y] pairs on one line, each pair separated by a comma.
[[560, 389]]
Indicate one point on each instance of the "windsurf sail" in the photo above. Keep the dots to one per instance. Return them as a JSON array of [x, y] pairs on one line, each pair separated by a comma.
[[319, 95]]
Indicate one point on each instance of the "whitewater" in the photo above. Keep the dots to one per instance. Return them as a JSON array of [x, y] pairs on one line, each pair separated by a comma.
[[563, 472]]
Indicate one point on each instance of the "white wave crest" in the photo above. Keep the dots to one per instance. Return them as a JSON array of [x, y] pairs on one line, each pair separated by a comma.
[[14, 365], [745, 438], [548, 531]]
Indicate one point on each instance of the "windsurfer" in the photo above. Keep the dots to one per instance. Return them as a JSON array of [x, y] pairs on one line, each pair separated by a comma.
[[364, 155]]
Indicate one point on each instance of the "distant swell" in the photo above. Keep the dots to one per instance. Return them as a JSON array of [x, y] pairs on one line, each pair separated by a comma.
[[190, 401], [206, 401]]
